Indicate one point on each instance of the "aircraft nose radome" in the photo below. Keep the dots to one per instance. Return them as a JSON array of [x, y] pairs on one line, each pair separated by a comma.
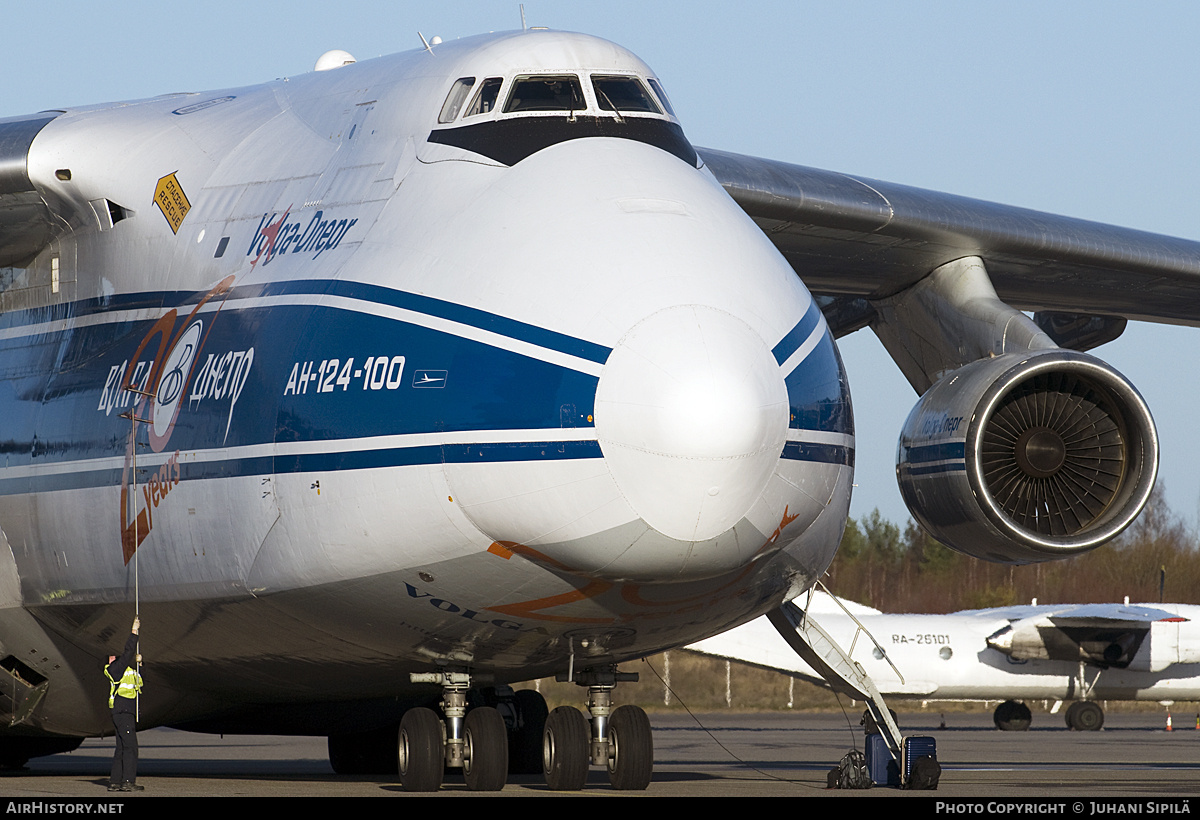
[[691, 415]]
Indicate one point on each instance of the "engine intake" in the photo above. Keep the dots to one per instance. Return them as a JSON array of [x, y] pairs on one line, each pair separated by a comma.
[[1028, 457]]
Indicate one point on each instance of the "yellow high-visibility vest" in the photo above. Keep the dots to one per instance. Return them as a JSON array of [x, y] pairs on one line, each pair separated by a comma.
[[129, 686]]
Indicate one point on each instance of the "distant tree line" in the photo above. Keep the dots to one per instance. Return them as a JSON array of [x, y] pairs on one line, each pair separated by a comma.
[[896, 570]]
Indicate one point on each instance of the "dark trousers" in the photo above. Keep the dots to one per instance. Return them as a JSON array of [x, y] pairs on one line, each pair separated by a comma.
[[124, 765]]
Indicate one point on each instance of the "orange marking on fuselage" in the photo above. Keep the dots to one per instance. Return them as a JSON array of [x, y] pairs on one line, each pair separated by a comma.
[[134, 533], [530, 609], [497, 549], [787, 519], [534, 555], [270, 233]]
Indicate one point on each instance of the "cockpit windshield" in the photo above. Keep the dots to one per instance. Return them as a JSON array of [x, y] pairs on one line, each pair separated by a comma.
[[454, 100], [623, 94], [509, 118], [485, 98], [662, 96], [558, 92]]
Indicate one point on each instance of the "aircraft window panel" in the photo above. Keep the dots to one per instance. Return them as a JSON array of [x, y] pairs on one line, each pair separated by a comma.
[[624, 94], [485, 97], [546, 92], [456, 97], [662, 96]]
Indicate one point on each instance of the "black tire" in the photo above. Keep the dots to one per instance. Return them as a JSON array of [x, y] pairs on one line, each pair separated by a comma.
[[420, 755], [525, 742], [565, 744], [1089, 717], [1012, 716], [485, 750], [630, 749], [1069, 715]]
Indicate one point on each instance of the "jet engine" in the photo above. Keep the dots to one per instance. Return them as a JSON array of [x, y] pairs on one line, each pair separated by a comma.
[[1028, 457]]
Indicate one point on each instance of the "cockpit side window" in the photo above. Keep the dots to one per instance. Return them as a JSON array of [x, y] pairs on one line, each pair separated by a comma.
[[662, 96], [623, 94], [559, 92], [456, 97], [485, 97]]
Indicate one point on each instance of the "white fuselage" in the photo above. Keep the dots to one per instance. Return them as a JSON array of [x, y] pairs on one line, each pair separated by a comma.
[[947, 657], [410, 406]]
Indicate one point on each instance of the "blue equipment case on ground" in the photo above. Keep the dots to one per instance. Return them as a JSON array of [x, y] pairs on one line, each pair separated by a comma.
[[880, 765], [915, 747]]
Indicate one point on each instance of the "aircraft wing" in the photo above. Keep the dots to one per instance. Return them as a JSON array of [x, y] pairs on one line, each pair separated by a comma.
[[1101, 634], [854, 239], [1111, 615]]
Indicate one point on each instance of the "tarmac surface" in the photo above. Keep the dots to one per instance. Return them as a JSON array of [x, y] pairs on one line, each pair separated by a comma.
[[727, 755]]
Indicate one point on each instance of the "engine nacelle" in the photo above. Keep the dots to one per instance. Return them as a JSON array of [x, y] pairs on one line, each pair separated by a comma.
[[1028, 457]]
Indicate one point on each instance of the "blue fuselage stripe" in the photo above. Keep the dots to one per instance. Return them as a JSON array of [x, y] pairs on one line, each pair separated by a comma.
[[474, 317], [513, 329], [317, 381], [371, 459], [819, 453], [796, 336]]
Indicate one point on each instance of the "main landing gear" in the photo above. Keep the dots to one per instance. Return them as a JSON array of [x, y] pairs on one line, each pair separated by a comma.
[[1081, 715], [1012, 716], [619, 739], [514, 733], [474, 741], [1084, 716]]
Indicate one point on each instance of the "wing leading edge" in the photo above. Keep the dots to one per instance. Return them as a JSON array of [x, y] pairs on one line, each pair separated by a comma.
[[861, 239], [26, 223]]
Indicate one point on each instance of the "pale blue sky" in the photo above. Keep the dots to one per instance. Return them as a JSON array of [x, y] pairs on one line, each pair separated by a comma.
[[1082, 108]]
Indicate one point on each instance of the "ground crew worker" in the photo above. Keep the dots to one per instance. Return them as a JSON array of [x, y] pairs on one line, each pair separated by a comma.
[[124, 685]]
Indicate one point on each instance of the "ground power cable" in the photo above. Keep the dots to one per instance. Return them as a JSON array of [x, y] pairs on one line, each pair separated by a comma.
[[726, 749]]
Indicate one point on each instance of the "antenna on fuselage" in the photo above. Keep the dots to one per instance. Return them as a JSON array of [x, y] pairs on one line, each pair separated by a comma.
[[429, 44], [523, 26]]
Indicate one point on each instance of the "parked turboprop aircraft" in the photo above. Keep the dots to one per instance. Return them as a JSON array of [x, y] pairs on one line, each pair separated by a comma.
[[1082, 653], [410, 378]]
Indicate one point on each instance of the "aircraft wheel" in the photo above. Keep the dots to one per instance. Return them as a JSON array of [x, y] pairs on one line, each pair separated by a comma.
[[485, 750], [421, 750], [1012, 716], [525, 742], [1089, 717], [630, 748], [565, 744], [1069, 715]]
